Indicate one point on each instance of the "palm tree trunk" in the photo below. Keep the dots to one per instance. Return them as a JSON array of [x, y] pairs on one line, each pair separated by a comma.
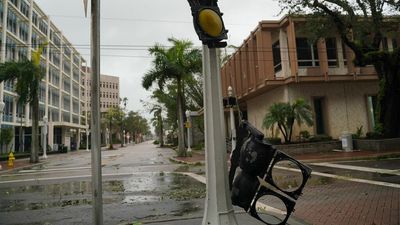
[[110, 137], [161, 132], [21, 139], [181, 128], [35, 130]]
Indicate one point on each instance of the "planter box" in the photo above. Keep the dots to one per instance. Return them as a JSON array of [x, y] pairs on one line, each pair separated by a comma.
[[377, 145], [309, 147]]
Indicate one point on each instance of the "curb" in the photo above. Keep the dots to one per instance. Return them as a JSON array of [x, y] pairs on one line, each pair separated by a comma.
[[371, 157], [21, 167], [187, 163]]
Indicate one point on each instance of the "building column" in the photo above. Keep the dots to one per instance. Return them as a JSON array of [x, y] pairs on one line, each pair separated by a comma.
[[46, 102], [71, 90], [322, 57], [61, 101], [252, 76], [78, 138], [340, 51], [283, 42], [3, 44], [50, 134], [27, 110], [291, 37], [265, 55]]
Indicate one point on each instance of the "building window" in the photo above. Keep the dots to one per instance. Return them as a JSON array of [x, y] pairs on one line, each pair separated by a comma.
[[35, 18], [43, 27], [12, 21], [24, 8], [331, 51], [307, 54], [394, 43], [14, 2], [319, 115], [8, 107], [276, 52]]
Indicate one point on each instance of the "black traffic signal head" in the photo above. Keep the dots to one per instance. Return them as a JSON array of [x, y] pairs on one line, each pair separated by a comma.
[[208, 23], [268, 175]]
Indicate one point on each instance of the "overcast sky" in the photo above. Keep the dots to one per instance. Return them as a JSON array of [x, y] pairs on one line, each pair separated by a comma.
[[129, 27]]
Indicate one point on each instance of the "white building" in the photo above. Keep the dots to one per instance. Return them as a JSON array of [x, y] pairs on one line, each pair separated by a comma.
[[23, 26]]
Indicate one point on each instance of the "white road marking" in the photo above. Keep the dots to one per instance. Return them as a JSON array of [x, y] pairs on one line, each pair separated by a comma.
[[55, 169], [358, 168], [380, 183]]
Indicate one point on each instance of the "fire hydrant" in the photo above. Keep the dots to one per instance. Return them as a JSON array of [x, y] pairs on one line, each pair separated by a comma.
[[11, 160]]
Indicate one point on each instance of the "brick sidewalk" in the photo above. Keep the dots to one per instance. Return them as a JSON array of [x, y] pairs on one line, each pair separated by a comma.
[[332, 201]]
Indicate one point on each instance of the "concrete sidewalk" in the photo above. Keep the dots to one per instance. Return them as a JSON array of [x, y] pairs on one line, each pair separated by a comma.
[[198, 157]]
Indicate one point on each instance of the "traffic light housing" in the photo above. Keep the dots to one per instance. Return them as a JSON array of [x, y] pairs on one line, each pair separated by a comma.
[[208, 22], [260, 178]]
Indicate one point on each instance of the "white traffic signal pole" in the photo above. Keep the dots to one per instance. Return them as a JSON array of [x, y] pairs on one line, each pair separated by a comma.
[[218, 207], [97, 192]]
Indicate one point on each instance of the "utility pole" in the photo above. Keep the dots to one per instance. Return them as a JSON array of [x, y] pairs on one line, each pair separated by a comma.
[[218, 209], [97, 192]]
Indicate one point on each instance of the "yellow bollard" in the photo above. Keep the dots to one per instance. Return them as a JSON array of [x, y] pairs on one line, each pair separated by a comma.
[[11, 160]]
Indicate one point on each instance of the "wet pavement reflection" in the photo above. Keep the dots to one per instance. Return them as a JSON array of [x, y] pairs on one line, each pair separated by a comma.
[[136, 189]]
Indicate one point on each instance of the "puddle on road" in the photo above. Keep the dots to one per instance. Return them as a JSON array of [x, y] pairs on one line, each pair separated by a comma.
[[131, 190]]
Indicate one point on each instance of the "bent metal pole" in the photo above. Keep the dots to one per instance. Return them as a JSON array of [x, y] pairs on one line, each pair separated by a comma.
[[97, 193], [218, 208]]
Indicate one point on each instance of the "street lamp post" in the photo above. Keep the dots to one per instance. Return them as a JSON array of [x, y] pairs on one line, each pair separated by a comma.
[[188, 125], [232, 118], [107, 137], [44, 131], [87, 138]]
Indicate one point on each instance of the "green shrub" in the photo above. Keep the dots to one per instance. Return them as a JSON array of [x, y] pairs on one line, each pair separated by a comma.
[[199, 146], [359, 133], [320, 137], [156, 142], [63, 149], [274, 140], [304, 135], [374, 135]]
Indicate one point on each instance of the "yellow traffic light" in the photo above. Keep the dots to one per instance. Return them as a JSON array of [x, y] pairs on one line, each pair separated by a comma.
[[210, 22]]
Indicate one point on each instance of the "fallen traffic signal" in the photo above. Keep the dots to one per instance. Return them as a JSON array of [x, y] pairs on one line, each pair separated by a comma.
[[261, 179]]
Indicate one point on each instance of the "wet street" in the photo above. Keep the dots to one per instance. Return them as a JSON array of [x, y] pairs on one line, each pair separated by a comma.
[[140, 183]]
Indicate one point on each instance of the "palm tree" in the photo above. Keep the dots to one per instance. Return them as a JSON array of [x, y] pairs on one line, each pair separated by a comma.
[[158, 122], [284, 115], [28, 75], [114, 116], [174, 64]]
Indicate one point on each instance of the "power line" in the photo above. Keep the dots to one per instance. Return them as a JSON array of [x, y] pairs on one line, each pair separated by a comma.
[[139, 20]]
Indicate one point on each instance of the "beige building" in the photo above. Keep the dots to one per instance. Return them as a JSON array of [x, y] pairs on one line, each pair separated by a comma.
[[109, 91], [277, 63]]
